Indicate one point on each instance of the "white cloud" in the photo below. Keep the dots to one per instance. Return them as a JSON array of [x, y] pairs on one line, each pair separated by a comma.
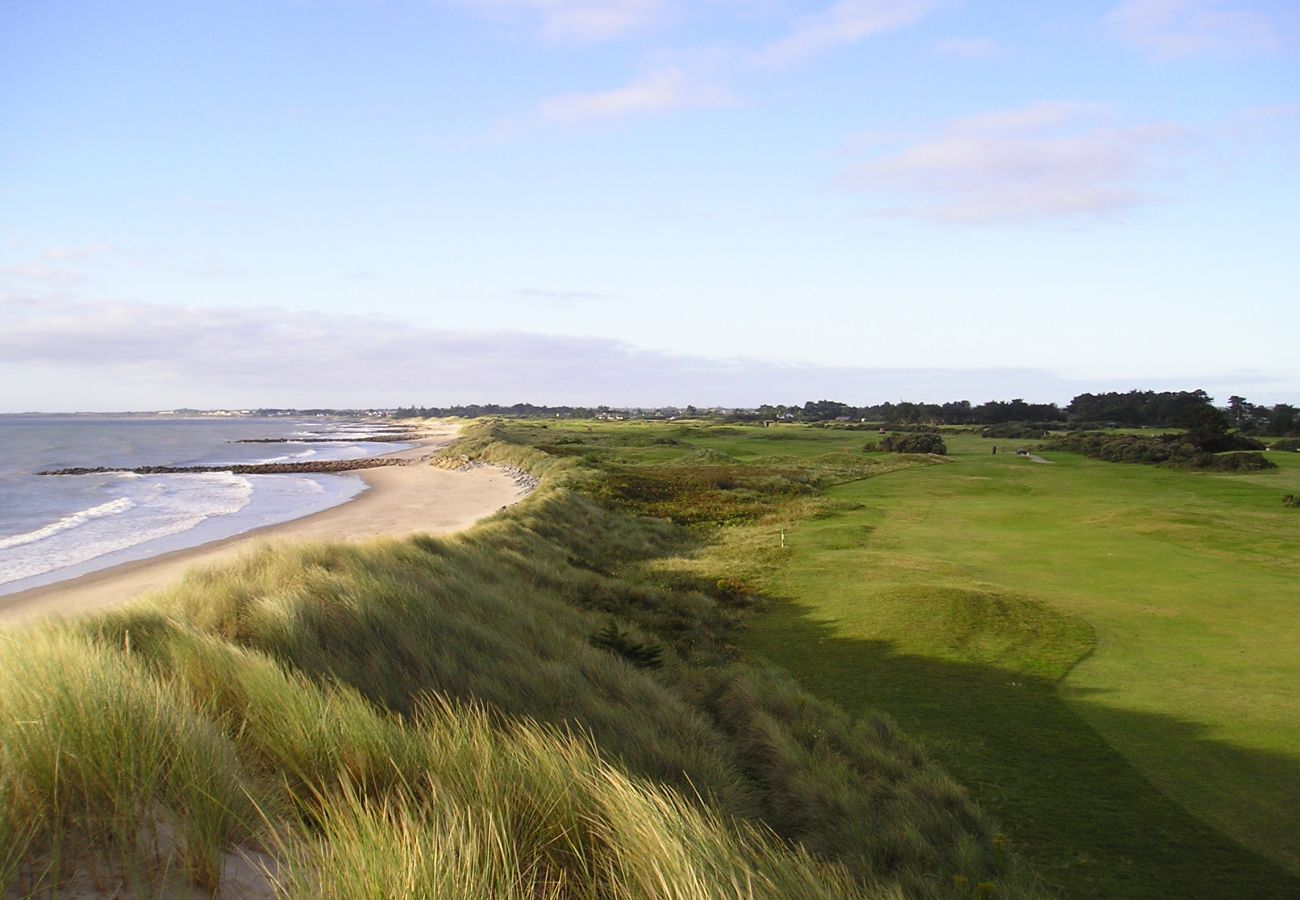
[[685, 79], [968, 48], [1171, 29], [841, 24], [1044, 160], [577, 21], [658, 92], [56, 266], [1030, 117], [62, 354]]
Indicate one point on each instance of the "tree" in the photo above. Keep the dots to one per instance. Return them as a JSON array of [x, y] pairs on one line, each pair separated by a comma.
[[1238, 411], [1283, 420], [1207, 427]]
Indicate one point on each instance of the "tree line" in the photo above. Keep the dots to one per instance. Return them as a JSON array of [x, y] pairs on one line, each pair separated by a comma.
[[1129, 409]]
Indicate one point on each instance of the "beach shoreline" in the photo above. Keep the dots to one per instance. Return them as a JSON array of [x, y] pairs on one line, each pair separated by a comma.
[[399, 500]]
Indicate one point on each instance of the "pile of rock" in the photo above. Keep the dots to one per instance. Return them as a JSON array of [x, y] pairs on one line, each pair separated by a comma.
[[298, 468], [524, 479]]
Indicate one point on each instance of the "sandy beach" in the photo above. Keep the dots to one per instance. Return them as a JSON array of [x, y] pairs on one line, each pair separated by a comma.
[[398, 501]]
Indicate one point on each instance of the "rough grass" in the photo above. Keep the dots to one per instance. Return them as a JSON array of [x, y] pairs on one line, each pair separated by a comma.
[[432, 718], [95, 751], [957, 596]]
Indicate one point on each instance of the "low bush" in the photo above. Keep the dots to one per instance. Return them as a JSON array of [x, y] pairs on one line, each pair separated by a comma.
[[1232, 440], [1174, 450], [1023, 430], [642, 654], [1238, 462], [1286, 444], [917, 442], [1291, 500]]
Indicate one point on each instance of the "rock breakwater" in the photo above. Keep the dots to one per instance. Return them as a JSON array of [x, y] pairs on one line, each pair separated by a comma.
[[372, 439], [299, 468]]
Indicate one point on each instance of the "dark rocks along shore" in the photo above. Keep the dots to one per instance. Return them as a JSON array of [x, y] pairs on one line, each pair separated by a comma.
[[324, 466]]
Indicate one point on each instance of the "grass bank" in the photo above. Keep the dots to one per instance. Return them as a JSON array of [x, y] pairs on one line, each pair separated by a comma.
[[477, 716]]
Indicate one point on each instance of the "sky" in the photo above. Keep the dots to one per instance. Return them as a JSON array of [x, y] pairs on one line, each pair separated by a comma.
[[245, 203]]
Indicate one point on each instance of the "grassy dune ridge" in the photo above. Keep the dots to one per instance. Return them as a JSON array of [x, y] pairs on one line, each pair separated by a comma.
[[432, 717]]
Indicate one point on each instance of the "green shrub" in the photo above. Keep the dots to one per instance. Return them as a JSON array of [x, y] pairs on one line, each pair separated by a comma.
[[918, 442], [1022, 430], [1240, 462], [1175, 450], [642, 654], [1291, 500]]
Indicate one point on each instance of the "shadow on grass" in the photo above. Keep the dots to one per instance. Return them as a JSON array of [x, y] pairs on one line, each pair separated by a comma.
[[1087, 819]]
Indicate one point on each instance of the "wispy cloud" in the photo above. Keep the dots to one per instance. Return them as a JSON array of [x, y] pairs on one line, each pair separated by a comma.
[[699, 78], [133, 355], [968, 47], [557, 296], [577, 21], [657, 92], [55, 266], [1041, 161], [1172, 29], [841, 24]]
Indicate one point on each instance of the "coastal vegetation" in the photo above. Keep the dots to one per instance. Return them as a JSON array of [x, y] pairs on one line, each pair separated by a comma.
[[995, 577], [552, 704], [1177, 450], [916, 442], [680, 669]]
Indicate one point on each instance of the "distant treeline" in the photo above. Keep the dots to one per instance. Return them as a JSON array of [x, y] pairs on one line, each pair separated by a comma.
[[272, 411], [523, 411], [1132, 409]]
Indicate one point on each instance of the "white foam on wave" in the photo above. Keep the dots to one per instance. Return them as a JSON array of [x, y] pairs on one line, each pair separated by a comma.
[[310, 486], [169, 506], [112, 508], [288, 457]]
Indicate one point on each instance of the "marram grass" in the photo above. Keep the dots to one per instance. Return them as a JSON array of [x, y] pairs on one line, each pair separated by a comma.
[[96, 751], [433, 718]]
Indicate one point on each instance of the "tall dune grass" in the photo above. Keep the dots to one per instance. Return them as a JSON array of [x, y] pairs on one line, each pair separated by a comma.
[[96, 752], [433, 718]]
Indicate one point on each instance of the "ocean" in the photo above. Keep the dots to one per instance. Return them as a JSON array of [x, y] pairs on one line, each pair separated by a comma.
[[57, 527]]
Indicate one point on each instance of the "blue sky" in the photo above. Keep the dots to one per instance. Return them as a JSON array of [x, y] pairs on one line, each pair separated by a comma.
[[371, 202]]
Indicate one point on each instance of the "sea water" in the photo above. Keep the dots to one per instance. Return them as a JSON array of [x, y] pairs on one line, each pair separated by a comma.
[[57, 527]]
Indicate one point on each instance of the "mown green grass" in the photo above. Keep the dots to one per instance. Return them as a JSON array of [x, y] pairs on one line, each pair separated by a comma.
[[956, 596], [996, 572]]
